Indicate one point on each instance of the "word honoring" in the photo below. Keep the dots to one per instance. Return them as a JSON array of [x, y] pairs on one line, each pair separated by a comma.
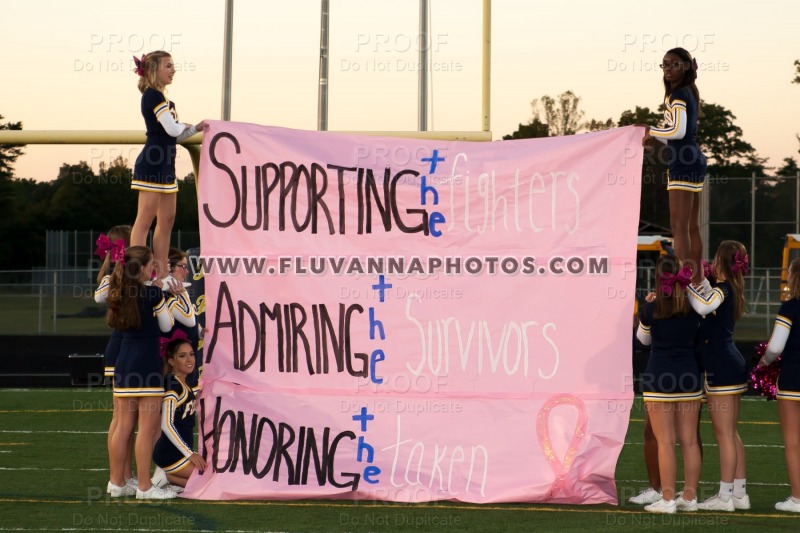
[[263, 446]]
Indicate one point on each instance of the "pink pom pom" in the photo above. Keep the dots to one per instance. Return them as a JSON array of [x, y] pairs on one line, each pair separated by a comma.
[[761, 349], [765, 378]]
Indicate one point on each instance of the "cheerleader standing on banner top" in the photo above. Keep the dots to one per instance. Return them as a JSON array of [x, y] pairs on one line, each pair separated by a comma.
[[141, 313], [786, 339], [687, 164], [173, 452], [726, 372], [154, 171], [111, 249], [672, 383]]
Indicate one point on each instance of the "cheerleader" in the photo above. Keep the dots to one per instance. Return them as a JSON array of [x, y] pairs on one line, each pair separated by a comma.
[[184, 315], [154, 171], [687, 164], [141, 313], [183, 310], [786, 339], [173, 451], [111, 249], [672, 385], [725, 371]]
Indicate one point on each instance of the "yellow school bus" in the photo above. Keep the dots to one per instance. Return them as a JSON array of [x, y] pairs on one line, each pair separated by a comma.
[[648, 249], [791, 242]]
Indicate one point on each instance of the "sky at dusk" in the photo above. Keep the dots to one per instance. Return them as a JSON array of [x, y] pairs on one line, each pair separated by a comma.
[[67, 65]]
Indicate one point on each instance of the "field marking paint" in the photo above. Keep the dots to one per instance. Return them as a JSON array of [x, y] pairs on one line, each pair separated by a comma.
[[372, 504], [35, 469], [714, 444], [28, 431], [741, 422], [11, 411]]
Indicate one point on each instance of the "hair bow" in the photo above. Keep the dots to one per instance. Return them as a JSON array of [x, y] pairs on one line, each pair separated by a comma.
[[740, 263], [164, 342], [116, 248], [682, 278], [138, 62]]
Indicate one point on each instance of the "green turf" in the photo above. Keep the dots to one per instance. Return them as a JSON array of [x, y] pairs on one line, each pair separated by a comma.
[[27, 314], [56, 481]]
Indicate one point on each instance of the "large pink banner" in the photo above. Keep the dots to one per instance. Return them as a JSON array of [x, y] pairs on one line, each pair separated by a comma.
[[414, 320]]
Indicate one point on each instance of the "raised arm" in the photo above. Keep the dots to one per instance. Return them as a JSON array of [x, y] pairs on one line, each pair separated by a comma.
[[704, 305], [163, 315], [101, 292], [182, 309]]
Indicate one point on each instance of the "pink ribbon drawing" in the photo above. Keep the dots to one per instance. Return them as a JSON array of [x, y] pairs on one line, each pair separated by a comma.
[[562, 467]]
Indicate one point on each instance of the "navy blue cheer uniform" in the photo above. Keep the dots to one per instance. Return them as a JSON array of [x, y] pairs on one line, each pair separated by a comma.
[[673, 373], [112, 348], [786, 339], [138, 371], [185, 316], [687, 164], [173, 448], [725, 368], [155, 167]]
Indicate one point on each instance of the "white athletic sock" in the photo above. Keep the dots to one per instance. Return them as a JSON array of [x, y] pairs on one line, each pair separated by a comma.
[[725, 491], [739, 489]]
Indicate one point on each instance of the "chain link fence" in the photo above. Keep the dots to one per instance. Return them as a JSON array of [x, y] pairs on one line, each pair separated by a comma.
[[758, 211], [58, 298]]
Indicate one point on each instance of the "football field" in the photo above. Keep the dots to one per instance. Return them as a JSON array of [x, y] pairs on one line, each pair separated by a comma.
[[54, 470]]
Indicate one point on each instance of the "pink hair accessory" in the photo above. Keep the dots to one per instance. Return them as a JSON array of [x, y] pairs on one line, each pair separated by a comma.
[[668, 281], [741, 263], [116, 248], [139, 70], [706, 268], [163, 342]]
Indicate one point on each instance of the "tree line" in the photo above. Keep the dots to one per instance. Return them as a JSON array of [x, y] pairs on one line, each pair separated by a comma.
[[82, 199], [78, 199]]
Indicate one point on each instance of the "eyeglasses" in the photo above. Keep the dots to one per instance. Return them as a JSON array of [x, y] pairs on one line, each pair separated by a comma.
[[182, 265], [674, 65]]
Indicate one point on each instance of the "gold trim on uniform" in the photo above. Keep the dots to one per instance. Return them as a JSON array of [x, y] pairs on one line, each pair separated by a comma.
[[168, 188], [135, 392], [787, 395], [672, 396]]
